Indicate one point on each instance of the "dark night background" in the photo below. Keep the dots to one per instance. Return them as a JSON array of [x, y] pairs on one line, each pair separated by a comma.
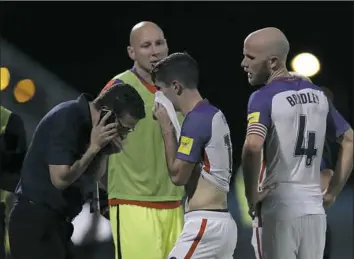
[[84, 43]]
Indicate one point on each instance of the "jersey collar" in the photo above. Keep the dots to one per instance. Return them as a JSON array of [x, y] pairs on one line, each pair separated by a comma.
[[151, 88]]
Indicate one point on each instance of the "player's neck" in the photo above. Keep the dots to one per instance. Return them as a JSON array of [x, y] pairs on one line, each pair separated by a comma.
[[283, 72], [190, 101], [146, 76]]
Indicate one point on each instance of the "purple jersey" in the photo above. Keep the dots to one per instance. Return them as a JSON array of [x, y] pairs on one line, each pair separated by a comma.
[[294, 116], [205, 138]]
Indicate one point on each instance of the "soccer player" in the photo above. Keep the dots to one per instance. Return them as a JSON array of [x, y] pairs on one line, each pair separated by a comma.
[[12, 153], [326, 175], [202, 161], [145, 207], [287, 118]]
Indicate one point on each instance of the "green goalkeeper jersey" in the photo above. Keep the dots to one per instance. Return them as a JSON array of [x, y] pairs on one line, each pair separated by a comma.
[[140, 171]]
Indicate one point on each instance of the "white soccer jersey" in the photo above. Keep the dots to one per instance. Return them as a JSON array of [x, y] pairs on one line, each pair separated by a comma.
[[293, 116], [205, 137]]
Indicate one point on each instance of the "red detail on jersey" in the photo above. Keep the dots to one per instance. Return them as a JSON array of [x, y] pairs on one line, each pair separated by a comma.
[[110, 83], [261, 174], [197, 239], [259, 240], [206, 163], [151, 88], [258, 129]]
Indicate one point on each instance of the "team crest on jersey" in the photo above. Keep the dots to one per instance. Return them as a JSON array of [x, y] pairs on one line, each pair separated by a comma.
[[253, 117], [186, 145]]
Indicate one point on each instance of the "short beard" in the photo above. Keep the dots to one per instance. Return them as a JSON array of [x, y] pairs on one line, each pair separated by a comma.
[[263, 75]]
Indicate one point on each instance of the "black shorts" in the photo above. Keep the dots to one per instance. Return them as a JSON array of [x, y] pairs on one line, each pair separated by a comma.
[[37, 232]]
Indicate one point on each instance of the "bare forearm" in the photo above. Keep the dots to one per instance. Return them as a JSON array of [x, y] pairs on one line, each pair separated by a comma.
[[79, 167], [101, 167], [170, 149], [326, 176], [251, 167], [343, 168]]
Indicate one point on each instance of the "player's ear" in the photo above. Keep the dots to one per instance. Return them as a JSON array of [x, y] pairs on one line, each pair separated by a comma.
[[273, 62], [131, 52], [178, 87]]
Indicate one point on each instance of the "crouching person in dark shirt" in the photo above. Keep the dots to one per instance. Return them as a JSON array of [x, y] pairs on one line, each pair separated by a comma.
[[68, 145]]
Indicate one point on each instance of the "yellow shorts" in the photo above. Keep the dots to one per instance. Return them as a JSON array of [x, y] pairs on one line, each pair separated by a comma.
[[141, 232], [3, 197]]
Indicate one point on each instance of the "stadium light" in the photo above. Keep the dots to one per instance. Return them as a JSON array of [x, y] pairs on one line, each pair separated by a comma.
[[4, 78], [306, 64], [24, 90]]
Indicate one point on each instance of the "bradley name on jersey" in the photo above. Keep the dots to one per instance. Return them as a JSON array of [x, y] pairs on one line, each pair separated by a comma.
[[303, 98]]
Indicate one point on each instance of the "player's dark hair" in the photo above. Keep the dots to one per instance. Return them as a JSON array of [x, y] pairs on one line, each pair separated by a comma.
[[122, 99], [177, 66]]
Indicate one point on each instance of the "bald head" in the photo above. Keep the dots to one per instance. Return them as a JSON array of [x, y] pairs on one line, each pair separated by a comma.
[[139, 29], [265, 52], [271, 42], [147, 46]]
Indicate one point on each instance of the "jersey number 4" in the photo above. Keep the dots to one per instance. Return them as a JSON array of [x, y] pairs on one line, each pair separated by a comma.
[[305, 146]]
